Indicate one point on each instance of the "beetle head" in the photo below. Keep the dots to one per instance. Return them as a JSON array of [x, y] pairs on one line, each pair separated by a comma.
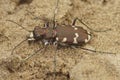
[[37, 34], [40, 34]]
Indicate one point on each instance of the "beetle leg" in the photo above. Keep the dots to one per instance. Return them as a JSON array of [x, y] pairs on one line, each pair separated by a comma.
[[63, 45], [74, 21], [55, 56], [97, 51], [23, 60], [80, 20], [39, 50]]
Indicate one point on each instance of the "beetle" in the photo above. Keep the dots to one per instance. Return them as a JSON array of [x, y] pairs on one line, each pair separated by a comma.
[[59, 34], [53, 33], [74, 36]]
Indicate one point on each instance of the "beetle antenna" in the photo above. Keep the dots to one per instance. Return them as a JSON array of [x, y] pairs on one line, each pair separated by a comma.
[[36, 18], [55, 12], [17, 46], [91, 28], [19, 25], [32, 54], [97, 51]]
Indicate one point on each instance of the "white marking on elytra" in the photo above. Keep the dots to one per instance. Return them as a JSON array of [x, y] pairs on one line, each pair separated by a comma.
[[75, 38], [73, 26], [88, 39], [64, 39], [76, 28], [57, 38], [88, 32]]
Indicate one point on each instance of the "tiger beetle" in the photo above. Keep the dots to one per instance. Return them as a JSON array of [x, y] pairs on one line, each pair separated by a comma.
[[53, 33]]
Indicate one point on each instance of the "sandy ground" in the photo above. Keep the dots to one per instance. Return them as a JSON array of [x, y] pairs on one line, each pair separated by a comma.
[[72, 64]]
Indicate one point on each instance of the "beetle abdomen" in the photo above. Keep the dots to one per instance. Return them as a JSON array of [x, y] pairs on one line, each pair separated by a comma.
[[72, 35]]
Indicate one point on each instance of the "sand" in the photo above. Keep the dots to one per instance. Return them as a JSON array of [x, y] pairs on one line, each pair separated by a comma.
[[72, 64]]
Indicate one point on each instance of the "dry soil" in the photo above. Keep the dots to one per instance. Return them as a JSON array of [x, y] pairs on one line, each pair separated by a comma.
[[71, 64]]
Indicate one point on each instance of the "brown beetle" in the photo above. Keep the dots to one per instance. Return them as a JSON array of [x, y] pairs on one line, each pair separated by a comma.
[[62, 35]]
